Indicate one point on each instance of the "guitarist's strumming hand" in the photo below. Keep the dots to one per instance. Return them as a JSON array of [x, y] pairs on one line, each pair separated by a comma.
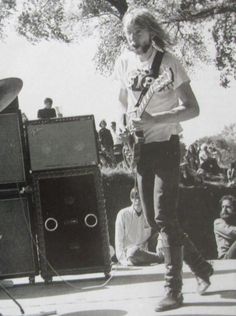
[[145, 122]]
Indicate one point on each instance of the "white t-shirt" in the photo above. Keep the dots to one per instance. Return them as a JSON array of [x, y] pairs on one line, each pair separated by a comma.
[[131, 230], [130, 72]]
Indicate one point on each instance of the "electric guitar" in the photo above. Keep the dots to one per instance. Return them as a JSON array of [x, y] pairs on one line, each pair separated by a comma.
[[133, 140]]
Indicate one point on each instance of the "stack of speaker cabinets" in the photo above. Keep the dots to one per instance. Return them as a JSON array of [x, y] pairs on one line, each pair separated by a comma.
[[68, 193], [18, 256]]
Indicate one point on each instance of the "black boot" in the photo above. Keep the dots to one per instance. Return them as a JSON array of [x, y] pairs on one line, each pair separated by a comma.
[[173, 279], [198, 265]]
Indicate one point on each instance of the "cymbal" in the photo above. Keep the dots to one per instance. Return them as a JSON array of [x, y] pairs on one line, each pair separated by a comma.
[[9, 90]]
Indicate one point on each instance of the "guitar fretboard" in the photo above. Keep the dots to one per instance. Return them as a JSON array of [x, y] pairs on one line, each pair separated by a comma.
[[147, 97], [161, 82]]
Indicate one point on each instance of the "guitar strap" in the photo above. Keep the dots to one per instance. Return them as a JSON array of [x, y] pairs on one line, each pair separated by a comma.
[[154, 72], [156, 64]]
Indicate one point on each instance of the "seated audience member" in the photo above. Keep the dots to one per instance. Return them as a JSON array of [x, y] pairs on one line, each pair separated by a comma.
[[188, 176], [225, 228], [204, 154], [208, 164], [215, 153], [131, 242], [48, 111], [191, 157], [132, 234]]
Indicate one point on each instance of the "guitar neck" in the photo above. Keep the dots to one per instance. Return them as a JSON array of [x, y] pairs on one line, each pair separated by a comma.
[[147, 97], [159, 84]]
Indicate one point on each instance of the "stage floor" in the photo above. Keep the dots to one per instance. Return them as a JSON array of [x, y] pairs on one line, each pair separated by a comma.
[[131, 291]]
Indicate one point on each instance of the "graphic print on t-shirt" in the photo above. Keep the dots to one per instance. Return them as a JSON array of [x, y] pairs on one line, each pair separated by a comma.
[[140, 78]]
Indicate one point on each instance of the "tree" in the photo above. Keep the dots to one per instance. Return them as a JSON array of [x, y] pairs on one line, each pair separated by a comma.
[[7, 8], [229, 133], [195, 25]]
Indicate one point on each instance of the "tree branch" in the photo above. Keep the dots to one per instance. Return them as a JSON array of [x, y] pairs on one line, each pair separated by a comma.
[[120, 5], [187, 16]]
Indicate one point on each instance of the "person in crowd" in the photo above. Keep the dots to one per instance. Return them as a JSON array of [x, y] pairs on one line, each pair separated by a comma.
[[208, 163], [187, 176], [117, 140], [106, 143], [48, 111], [132, 234], [159, 159], [191, 157], [115, 134], [204, 154], [225, 228], [215, 153]]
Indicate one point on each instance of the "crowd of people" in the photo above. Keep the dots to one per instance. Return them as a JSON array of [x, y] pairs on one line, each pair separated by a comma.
[[202, 163]]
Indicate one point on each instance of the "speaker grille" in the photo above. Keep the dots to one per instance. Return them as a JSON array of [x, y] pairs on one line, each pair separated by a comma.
[[72, 220], [16, 245], [62, 143], [11, 153]]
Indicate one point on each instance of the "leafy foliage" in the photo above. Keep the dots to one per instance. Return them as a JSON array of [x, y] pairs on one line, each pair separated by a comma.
[[224, 34], [7, 8], [42, 20], [195, 26], [229, 132]]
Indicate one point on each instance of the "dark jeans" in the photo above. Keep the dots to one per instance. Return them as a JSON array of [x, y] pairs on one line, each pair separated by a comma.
[[158, 182]]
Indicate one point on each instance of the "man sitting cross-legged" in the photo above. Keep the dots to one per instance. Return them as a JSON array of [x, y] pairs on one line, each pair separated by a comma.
[[132, 235]]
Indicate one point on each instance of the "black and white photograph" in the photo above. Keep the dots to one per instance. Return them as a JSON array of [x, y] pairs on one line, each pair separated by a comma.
[[117, 157]]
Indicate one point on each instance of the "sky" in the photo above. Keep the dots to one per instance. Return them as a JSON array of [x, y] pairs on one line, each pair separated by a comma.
[[66, 73]]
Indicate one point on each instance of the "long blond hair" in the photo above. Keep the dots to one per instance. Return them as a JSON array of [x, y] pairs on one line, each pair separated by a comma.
[[143, 18]]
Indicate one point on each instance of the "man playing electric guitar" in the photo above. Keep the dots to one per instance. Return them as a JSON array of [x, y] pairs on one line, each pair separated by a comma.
[[158, 165], [135, 139]]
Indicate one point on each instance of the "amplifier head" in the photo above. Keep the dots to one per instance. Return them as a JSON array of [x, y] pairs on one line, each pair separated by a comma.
[[62, 143]]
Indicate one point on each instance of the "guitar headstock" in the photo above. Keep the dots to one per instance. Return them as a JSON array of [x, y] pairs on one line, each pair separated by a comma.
[[163, 81]]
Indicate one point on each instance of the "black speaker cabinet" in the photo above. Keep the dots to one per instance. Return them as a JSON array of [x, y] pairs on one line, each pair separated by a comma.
[[12, 167], [72, 223], [62, 143], [17, 245]]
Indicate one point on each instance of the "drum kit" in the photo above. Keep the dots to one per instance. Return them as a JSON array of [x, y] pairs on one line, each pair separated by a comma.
[[9, 90]]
